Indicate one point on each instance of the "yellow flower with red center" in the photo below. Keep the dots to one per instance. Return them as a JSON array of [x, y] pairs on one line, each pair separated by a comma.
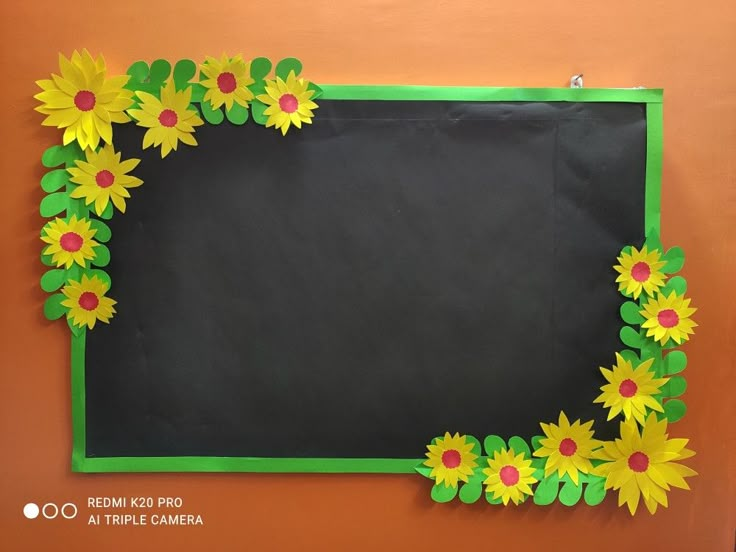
[[568, 448], [510, 476], [630, 390], [104, 177], [644, 465], [83, 100], [69, 242], [168, 120], [87, 302], [289, 102], [227, 81], [451, 458], [668, 318], [640, 271]]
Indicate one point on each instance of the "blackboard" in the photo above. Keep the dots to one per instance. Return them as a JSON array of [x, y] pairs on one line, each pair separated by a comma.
[[396, 270]]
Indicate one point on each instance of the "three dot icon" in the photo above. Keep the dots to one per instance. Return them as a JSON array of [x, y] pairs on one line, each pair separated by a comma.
[[50, 510]]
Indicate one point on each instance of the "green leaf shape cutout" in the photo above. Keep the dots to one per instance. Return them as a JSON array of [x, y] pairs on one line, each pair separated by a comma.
[[257, 108], [260, 67], [107, 212], [595, 491], [674, 259], [103, 232], [184, 72], [675, 362], [674, 410], [52, 280], [54, 180], [421, 469], [212, 116], [160, 71], [54, 204], [286, 66], [494, 501], [630, 313], [546, 491], [630, 356], [440, 493], [675, 386], [519, 445], [471, 491], [678, 284], [492, 443], [238, 114], [570, 493], [630, 337], [102, 255], [52, 308], [62, 155]]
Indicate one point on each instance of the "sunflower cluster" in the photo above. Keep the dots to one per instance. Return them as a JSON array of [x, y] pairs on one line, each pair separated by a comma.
[[84, 101]]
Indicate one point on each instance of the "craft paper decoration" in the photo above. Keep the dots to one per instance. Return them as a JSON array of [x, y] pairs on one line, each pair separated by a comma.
[[398, 267]]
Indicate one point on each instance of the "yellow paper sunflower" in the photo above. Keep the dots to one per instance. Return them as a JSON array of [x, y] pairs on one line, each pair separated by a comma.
[[87, 302], [168, 120], [568, 448], [644, 465], [227, 81], [668, 317], [451, 459], [640, 271], [104, 177], [69, 242], [630, 390], [83, 100], [509, 476], [288, 102]]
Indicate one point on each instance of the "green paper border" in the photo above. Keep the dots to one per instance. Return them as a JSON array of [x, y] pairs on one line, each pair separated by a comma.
[[651, 97]]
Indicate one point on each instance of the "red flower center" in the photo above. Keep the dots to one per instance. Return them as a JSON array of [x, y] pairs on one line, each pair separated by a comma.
[[568, 447], [509, 476], [226, 83], [84, 100], [627, 388], [104, 178], [640, 272], [168, 118], [451, 458], [88, 301], [288, 103], [71, 241], [668, 318], [639, 462]]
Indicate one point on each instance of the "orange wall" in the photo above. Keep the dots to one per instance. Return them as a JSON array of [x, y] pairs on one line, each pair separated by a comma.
[[685, 47]]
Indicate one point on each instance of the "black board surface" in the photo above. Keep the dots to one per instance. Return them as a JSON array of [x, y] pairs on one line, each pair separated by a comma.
[[391, 272]]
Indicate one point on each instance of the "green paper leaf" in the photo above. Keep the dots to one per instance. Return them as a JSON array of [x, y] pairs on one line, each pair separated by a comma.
[[476, 444], [184, 71], [519, 445], [653, 242], [570, 493], [317, 90], [160, 71], [492, 443], [440, 493], [238, 115], [102, 255], [675, 362], [678, 284], [675, 259], [212, 116], [630, 313], [546, 490], [536, 445], [494, 501], [62, 155], [46, 259], [471, 492], [423, 470], [107, 212], [138, 72], [54, 204], [52, 308], [630, 356], [257, 108], [674, 410], [675, 386], [630, 337], [287, 65], [103, 232], [52, 280], [595, 491], [198, 92], [260, 67], [101, 274], [54, 180]]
